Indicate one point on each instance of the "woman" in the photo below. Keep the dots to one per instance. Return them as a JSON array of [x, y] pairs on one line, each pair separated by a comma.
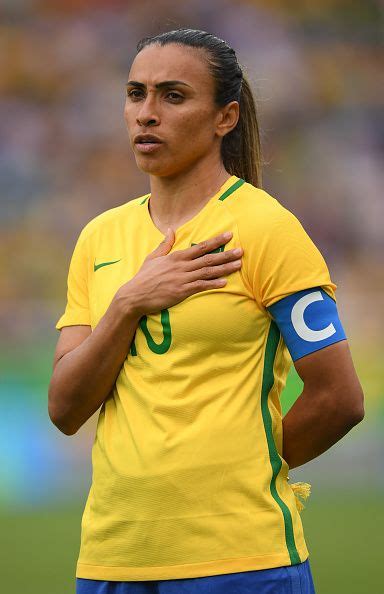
[[186, 341]]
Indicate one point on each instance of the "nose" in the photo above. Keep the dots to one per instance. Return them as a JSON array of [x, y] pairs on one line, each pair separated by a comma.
[[147, 115]]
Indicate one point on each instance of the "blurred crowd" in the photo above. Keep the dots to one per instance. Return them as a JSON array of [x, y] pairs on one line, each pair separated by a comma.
[[65, 155]]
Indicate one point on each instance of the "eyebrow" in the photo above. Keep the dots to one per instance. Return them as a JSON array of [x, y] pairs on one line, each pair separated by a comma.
[[160, 85]]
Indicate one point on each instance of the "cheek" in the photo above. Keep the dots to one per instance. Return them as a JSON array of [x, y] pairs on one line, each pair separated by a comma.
[[126, 115], [195, 129], [129, 116]]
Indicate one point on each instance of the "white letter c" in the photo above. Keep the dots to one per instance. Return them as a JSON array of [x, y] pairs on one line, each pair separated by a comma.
[[297, 317]]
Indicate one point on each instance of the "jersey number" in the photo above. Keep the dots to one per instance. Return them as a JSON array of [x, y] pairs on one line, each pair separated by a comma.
[[163, 346]]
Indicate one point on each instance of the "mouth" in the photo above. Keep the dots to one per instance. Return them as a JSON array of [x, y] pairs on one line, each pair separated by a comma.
[[148, 146], [147, 143]]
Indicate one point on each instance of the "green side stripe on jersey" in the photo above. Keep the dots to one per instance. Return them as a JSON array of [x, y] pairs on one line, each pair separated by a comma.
[[268, 381], [142, 202], [232, 189]]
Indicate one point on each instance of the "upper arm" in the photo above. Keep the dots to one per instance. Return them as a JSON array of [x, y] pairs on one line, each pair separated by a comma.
[[70, 338], [310, 325], [290, 279], [331, 373]]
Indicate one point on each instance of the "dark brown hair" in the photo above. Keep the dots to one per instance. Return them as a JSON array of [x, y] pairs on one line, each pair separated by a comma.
[[241, 148]]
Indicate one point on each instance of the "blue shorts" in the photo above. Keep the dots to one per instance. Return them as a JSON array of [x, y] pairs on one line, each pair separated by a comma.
[[289, 579]]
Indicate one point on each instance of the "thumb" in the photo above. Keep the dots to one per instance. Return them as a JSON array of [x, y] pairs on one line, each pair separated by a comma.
[[165, 246]]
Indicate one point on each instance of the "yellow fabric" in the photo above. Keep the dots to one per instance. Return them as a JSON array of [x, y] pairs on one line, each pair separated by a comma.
[[188, 474], [301, 491]]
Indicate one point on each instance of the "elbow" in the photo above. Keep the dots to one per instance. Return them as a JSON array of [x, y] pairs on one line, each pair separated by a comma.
[[355, 409], [61, 424], [343, 405], [358, 415], [359, 406], [57, 418], [66, 431]]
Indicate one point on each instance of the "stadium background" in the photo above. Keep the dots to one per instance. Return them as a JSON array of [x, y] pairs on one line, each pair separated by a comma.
[[65, 157]]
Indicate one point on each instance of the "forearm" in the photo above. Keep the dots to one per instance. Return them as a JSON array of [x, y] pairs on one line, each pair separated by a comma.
[[83, 378], [312, 426]]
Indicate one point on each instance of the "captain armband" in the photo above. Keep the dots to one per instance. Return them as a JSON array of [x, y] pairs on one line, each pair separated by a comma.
[[308, 321]]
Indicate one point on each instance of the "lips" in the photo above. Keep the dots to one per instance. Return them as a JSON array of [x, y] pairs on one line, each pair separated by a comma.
[[147, 143], [147, 139]]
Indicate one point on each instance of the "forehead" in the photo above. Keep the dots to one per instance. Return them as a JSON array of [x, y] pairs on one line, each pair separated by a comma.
[[157, 63]]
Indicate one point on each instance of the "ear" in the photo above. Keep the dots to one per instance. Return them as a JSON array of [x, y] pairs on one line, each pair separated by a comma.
[[227, 118]]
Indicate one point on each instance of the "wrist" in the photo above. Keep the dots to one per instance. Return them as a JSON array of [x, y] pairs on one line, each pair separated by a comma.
[[127, 305]]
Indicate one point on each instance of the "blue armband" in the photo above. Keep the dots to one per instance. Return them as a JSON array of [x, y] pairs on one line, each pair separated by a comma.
[[308, 321]]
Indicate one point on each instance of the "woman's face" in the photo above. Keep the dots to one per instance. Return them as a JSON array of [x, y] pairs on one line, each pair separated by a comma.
[[181, 113]]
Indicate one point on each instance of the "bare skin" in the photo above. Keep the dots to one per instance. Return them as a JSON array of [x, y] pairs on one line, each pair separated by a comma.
[[331, 403], [86, 364], [187, 169]]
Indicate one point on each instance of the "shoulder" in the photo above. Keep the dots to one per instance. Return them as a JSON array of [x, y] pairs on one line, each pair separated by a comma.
[[256, 210], [110, 217]]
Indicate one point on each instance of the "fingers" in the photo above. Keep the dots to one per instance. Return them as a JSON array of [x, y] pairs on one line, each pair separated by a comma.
[[203, 285], [165, 245], [214, 271], [212, 263], [208, 245], [203, 247], [207, 270]]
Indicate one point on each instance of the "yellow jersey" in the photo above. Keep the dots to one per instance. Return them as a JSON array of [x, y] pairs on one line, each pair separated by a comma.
[[188, 474]]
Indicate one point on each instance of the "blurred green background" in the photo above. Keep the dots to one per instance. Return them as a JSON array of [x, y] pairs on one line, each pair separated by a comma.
[[65, 157]]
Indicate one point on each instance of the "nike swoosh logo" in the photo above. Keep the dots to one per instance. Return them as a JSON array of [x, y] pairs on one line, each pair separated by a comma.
[[97, 266], [218, 249]]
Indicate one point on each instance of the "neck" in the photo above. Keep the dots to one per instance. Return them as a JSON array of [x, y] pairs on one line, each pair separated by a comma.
[[174, 200]]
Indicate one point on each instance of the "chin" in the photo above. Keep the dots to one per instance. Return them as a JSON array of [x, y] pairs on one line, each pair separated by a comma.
[[156, 167]]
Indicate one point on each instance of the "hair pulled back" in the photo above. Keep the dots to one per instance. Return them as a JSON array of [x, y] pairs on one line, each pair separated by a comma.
[[240, 148]]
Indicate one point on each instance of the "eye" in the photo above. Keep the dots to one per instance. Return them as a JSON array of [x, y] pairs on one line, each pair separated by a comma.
[[175, 97], [131, 93]]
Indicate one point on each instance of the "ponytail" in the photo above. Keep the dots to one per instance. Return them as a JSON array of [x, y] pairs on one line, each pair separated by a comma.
[[241, 148]]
